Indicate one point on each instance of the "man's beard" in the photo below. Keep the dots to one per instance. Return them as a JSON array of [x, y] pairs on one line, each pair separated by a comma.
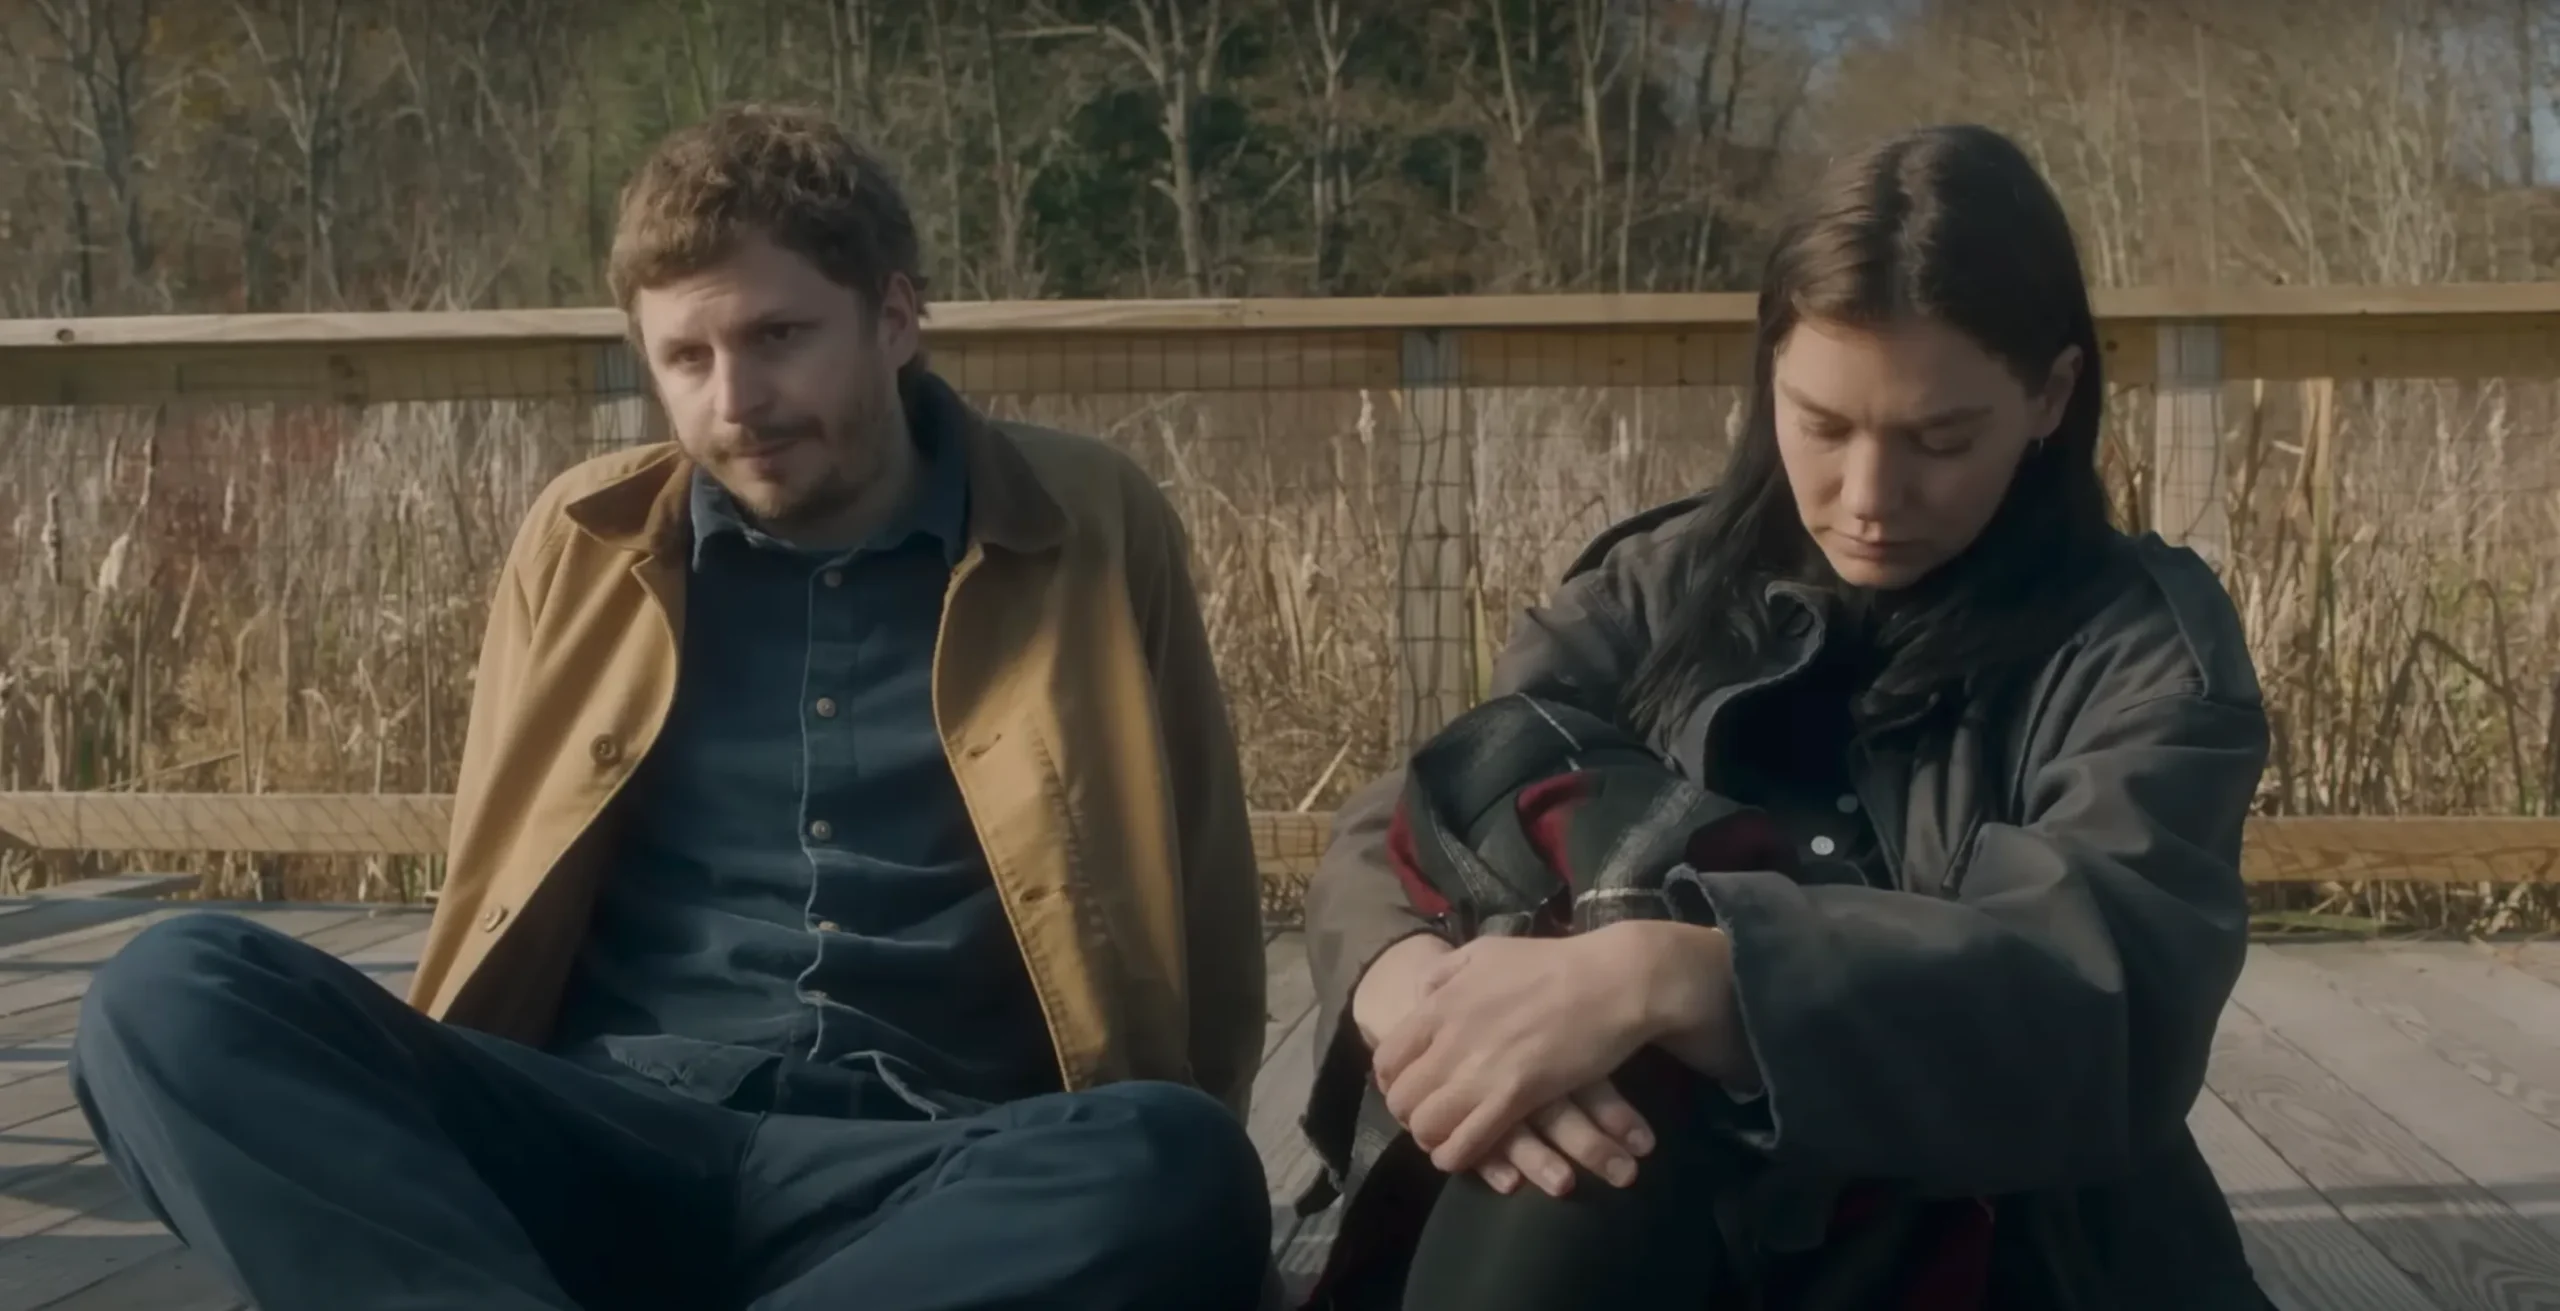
[[856, 447]]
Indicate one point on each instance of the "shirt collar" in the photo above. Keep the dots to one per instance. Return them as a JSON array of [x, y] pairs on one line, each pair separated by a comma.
[[939, 509]]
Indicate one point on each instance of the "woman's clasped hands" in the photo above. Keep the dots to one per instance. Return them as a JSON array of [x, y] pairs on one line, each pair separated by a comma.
[[1496, 1056]]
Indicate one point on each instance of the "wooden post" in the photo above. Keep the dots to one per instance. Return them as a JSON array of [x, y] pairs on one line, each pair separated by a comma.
[[2186, 441], [625, 412], [1435, 485]]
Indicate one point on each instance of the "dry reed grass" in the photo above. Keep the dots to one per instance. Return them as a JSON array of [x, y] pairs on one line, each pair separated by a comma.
[[283, 598]]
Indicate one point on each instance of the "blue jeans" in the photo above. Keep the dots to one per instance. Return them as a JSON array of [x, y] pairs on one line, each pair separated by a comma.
[[326, 1146]]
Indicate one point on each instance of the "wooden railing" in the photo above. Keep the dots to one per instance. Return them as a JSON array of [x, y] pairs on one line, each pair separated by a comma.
[[1429, 357]]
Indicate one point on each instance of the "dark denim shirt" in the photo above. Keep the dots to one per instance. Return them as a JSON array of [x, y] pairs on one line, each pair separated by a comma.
[[1798, 767], [800, 918]]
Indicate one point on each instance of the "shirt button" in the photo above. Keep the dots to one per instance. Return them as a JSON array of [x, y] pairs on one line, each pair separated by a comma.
[[832, 578], [491, 918], [1824, 846], [826, 926], [1847, 804], [604, 749], [826, 707], [821, 829]]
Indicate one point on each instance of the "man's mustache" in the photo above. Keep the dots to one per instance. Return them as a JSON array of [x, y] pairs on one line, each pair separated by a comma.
[[767, 435]]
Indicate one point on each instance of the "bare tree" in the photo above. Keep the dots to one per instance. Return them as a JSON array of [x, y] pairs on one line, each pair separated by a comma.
[[1178, 45], [1014, 159], [853, 56], [1517, 110], [1638, 64], [1592, 75], [305, 67], [1321, 35], [99, 49]]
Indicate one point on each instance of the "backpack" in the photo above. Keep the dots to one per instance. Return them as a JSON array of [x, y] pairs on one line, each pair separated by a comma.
[[1528, 816]]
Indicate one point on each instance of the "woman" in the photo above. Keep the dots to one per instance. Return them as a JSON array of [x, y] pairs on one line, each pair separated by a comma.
[[2012, 747]]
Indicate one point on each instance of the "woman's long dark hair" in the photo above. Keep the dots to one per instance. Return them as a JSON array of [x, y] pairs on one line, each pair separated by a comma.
[[1951, 224]]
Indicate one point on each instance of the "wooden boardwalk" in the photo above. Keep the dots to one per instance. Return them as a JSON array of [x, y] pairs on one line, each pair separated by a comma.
[[2385, 1117]]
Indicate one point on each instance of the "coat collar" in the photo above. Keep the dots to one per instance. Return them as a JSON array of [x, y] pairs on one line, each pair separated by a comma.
[[648, 509]]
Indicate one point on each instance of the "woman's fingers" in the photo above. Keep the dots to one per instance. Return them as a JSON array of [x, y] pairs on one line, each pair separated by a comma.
[[1573, 1131], [1616, 1116], [1524, 1155], [1545, 1149]]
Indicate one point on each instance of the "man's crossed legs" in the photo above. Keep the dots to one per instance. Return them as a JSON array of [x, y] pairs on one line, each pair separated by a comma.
[[328, 1147]]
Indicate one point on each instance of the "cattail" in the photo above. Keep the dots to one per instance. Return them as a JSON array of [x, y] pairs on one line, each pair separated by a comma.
[[51, 538], [111, 569]]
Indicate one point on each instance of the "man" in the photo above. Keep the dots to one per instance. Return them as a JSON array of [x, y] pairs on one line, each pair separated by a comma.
[[850, 901]]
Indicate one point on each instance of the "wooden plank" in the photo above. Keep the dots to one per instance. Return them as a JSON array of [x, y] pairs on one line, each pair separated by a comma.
[[54, 920], [2307, 1256], [79, 1253], [2462, 1246], [2447, 849], [58, 992], [2541, 960], [1280, 1098], [385, 947], [173, 1280], [47, 986], [955, 320], [1280, 1086], [1108, 347], [1689, 356], [352, 374], [1139, 364], [112, 885], [1289, 990], [2186, 447], [2491, 1140], [86, 903], [281, 823], [2501, 979], [81, 1226], [1301, 1258], [2433, 1008]]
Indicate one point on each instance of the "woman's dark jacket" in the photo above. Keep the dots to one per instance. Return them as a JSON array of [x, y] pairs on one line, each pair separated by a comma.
[[2025, 1012]]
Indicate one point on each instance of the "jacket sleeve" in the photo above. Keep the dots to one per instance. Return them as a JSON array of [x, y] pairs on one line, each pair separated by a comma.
[[2048, 1023], [1578, 647], [1222, 883]]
